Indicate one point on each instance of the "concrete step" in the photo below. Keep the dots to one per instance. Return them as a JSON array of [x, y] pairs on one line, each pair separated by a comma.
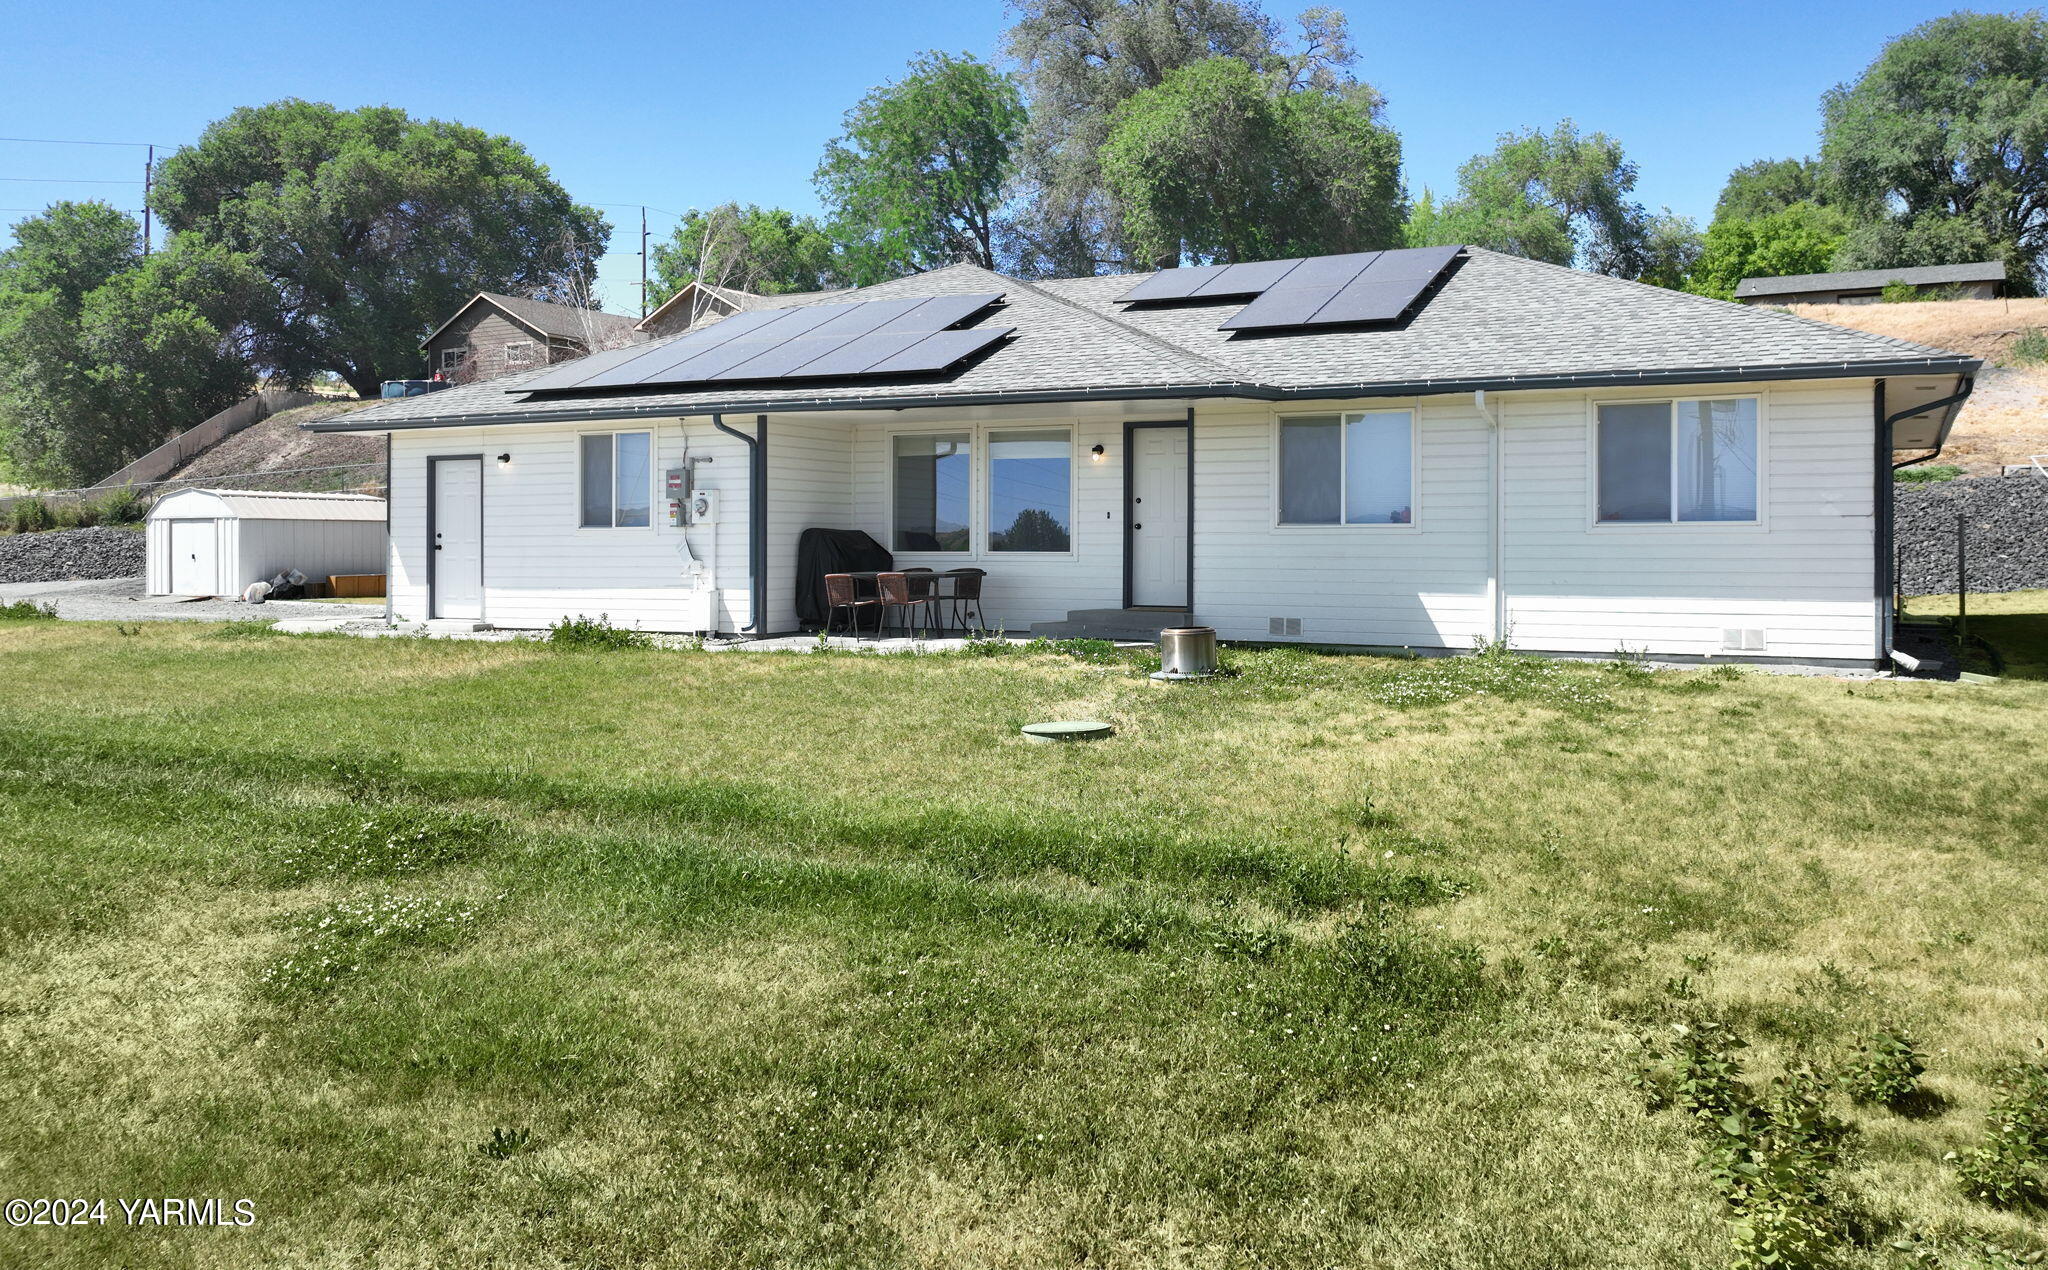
[[1124, 625]]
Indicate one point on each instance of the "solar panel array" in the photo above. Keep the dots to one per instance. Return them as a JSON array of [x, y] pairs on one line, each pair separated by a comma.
[[910, 336], [1365, 286]]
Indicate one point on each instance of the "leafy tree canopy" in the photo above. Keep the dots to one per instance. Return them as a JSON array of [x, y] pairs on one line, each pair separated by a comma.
[[373, 227], [1080, 59], [105, 353], [917, 179], [767, 251], [1940, 151], [1800, 238], [1767, 186], [1223, 163], [1559, 196]]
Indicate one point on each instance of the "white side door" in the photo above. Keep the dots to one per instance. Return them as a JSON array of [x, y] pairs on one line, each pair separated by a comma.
[[1159, 517], [195, 557], [455, 544]]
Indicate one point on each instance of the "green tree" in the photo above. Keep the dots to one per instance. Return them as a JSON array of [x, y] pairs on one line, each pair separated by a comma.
[[917, 178], [1222, 163], [104, 353], [1767, 186], [1559, 196], [1081, 59], [766, 251], [1940, 151], [1800, 238], [373, 227]]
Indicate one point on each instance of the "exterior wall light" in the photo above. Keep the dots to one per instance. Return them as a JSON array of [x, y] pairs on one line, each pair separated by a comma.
[[1095, 454], [504, 458]]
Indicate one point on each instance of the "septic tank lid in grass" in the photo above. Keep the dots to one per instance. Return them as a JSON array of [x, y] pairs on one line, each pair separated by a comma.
[[1067, 730]]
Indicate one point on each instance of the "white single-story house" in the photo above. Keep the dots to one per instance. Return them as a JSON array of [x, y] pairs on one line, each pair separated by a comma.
[[218, 541], [1428, 449]]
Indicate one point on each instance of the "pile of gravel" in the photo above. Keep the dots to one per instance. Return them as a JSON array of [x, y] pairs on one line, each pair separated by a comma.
[[2005, 522], [61, 555]]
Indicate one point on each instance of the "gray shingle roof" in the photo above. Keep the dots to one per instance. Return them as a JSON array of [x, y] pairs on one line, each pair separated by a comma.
[[1858, 279], [564, 321], [1497, 321]]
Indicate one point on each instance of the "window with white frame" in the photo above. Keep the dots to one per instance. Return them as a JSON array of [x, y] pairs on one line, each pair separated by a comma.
[[1031, 490], [618, 480], [519, 353], [452, 357], [1672, 462], [1348, 469], [933, 491]]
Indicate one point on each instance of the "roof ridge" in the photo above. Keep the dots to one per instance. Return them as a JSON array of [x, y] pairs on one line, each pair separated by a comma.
[[1179, 351], [1759, 313]]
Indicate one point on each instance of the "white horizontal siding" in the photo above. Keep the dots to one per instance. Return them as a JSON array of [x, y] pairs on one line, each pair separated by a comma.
[[1804, 576], [1420, 586], [539, 566], [810, 486]]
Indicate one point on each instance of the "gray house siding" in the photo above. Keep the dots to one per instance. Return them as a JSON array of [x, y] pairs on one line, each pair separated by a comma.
[[484, 344]]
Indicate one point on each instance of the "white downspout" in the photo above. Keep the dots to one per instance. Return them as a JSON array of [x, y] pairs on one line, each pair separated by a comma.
[[1496, 585]]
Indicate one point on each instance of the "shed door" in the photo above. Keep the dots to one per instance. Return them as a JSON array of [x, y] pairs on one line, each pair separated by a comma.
[[195, 565], [456, 521]]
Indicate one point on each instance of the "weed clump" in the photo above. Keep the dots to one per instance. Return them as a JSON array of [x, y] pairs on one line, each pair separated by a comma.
[[2011, 1170], [1885, 1072], [26, 611], [594, 632], [333, 943], [381, 842]]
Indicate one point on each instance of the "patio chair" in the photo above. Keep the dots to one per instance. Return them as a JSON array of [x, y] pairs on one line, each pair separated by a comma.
[[842, 595], [905, 594], [966, 596]]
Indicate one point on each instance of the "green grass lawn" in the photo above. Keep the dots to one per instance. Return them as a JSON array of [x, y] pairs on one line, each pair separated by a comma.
[[2015, 623], [450, 954]]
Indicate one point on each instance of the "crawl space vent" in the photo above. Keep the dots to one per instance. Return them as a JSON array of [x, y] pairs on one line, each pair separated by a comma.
[[1742, 639], [1283, 626]]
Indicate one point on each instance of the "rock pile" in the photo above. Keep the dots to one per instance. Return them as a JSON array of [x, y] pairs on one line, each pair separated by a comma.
[[64, 554], [2006, 526]]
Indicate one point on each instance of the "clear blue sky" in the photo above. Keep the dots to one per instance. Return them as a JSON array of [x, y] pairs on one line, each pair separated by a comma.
[[680, 105]]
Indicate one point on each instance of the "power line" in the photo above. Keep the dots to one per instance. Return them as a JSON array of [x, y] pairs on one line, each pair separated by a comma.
[[53, 141]]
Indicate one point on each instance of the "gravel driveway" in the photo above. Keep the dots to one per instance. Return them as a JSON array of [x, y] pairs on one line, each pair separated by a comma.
[[122, 600]]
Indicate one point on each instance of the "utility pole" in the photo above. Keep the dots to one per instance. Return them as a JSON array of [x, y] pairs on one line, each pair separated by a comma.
[[148, 184], [643, 261]]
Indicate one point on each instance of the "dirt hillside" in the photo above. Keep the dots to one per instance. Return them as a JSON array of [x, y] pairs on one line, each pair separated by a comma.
[[275, 453], [2006, 418]]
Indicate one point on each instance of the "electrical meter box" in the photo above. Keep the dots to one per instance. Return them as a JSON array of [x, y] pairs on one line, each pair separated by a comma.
[[676, 487], [704, 507]]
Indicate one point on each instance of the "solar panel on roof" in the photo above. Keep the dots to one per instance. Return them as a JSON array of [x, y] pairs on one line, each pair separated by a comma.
[[1172, 284], [1251, 278], [1382, 289], [861, 337]]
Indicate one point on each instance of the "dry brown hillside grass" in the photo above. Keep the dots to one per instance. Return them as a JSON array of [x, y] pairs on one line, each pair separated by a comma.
[[2006, 418], [278, 454]]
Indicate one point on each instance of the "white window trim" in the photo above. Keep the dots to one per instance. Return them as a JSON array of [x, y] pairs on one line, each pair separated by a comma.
[[1410, 407], [527, 355], [981, 488], [1596, 525], [453, 357], [654, 514]]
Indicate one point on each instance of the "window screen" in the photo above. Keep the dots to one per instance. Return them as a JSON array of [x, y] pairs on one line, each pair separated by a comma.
[[1311, 470], [618, 480], [932, 479], [1635, 462]]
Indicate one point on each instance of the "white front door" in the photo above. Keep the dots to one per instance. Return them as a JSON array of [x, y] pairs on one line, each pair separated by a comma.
[[195, 568], [456, 529], [1159, 517]]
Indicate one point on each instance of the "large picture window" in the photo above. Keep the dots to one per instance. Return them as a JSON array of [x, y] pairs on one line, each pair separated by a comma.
[[1669, 462], [1354, 469], [1030, 490], [933, 479], [618, 480]]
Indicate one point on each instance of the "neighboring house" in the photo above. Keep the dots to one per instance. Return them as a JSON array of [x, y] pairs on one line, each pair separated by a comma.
[[1984, 280], [1488, 448], [496, 335], [700, 302]]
